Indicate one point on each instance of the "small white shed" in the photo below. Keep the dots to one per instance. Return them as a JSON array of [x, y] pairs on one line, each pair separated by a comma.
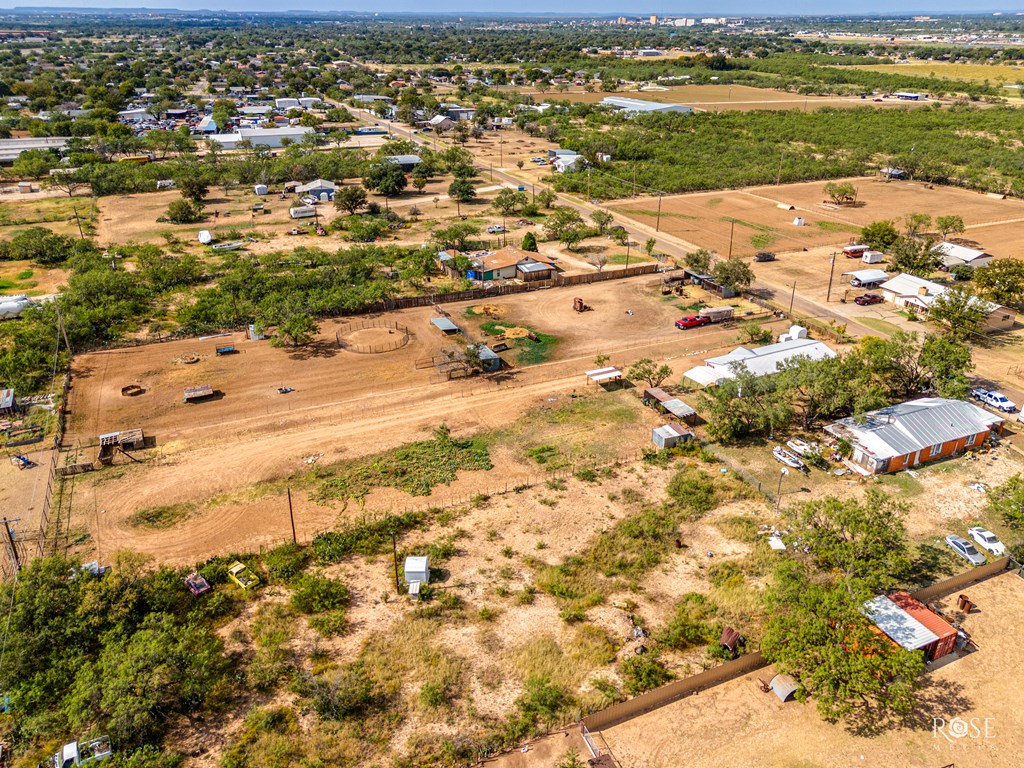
[[417, 569], [260, 189]]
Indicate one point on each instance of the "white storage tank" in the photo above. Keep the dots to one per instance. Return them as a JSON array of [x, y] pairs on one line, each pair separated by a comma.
[[417, 569]]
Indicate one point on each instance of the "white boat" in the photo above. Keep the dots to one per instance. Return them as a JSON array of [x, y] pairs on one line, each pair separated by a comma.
[[233, 246], [787, 458], [799, 447], [205, 237]]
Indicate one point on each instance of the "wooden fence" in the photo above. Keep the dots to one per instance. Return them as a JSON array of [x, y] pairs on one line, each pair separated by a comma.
[[659, 697], [475, 294]]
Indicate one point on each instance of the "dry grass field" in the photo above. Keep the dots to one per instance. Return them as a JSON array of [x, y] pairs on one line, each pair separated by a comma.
[[706, 218], [994, 73]]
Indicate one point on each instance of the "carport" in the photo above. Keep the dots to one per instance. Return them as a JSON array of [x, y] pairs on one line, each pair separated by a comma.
[[704, 375]]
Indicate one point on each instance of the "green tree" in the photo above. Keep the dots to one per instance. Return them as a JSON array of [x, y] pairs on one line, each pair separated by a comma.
[[649, 245], [647, 370], [297, 329], [1007, 500], [386, 179], [1002, 281], [860, 540], [733, 272], [744, 405], [880, 235], [914, 255], [602, 220], [193, 183], [566, 226], [699, 261], [916, 224], [841, 192], [33, 164], [455, 235], [546, 199], [949, 225], [529, 242], [350, 199], [461, 191], [817, 634], [184, 212], [959, 311], [508, 201]]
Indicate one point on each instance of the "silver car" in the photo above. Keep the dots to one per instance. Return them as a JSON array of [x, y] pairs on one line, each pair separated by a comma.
[[965, 549]]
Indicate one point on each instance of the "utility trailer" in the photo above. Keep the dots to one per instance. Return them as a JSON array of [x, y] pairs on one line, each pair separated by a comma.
[[716, 314]]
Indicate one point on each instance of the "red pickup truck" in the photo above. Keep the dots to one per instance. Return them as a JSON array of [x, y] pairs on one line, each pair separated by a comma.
[[692, 322]]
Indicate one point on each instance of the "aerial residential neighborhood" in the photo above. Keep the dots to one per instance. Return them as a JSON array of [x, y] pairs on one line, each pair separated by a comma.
[[530, 387]]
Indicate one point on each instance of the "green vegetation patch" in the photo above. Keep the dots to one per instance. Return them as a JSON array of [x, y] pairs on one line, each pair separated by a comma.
[[415, 468], [162, 517], [530, 350]]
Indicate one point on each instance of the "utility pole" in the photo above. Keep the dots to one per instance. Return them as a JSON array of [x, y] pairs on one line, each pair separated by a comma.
[[394, 550], [657, 224], [12, 548], [831, 271], [778, 179], [78, 221], [778, 494], [588, 185], [291, 516], [792, 298], [732, 229]]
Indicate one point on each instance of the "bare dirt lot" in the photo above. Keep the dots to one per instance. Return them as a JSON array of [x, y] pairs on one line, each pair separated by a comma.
[[753, 220], [344, 405], [737, 724]]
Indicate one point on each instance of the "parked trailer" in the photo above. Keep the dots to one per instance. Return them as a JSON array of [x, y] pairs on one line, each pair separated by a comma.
[[716, 314], [855, 251], [302, 212], [232, 246], [228, 350], [873, 257]]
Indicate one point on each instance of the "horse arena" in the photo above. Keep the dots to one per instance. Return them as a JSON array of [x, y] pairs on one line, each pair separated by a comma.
[[372, 337]]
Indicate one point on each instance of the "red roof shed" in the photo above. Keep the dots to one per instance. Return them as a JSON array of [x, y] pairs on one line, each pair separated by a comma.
[[927, 617]]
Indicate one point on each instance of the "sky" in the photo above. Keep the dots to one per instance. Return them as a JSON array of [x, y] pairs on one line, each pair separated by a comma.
[[725, 7]]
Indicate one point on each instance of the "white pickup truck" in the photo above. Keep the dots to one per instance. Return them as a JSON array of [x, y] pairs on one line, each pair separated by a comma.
[[994, 399]]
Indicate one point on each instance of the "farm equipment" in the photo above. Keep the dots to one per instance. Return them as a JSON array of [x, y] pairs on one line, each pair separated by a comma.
[[579, 305], [284, 390], [242, 576], [196, 584], [227, 350], [82, 753], [132, 390]]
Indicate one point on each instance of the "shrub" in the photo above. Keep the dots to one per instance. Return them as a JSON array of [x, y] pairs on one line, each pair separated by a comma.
[[315, 593], [184, 212], [689, 626], [286, 562], [644, 672], [693, 490]]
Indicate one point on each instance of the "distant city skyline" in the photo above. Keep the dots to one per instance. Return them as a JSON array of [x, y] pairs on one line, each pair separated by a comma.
[[572, 7]]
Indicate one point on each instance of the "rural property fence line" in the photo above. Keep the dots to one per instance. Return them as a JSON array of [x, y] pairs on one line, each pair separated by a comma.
[[730, 670], [809, 322]]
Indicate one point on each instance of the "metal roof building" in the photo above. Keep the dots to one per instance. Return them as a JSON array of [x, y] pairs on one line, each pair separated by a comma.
[[636, 106], [760, 361], [11, 148], [953, 255], [444, 325], [909, 624], [906, 434], [864, 278]]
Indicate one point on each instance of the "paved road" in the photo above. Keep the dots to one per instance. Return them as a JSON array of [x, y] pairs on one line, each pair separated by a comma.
[[678, 248]]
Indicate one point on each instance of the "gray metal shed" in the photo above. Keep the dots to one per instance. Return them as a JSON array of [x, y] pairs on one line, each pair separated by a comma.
[[444, 325], [669, 435]]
